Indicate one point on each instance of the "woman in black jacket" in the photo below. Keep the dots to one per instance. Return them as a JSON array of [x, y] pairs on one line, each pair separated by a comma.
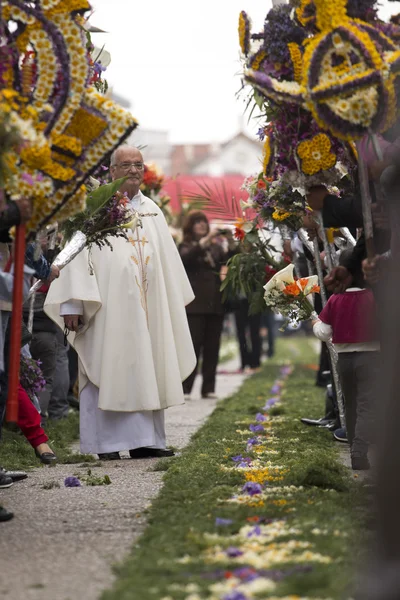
[[203, 254]]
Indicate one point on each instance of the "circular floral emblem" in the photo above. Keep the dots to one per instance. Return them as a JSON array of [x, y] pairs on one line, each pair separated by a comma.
[[316, 154]]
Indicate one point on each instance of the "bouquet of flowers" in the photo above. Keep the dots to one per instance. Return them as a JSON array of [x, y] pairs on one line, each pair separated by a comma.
[[289, 296], [31, 376], [276, 201], [107, 214]]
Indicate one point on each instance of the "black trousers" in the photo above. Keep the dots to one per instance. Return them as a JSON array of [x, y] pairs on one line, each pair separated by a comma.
[[206, 336], [248, 324], [358, 372]]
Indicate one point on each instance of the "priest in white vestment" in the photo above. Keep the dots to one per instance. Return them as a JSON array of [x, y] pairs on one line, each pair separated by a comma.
[[129, 327]]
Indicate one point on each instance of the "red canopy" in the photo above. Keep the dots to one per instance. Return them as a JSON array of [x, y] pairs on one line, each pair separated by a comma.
[[224, 194]]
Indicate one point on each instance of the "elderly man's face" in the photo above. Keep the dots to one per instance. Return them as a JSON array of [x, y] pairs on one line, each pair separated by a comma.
[[129, 163]]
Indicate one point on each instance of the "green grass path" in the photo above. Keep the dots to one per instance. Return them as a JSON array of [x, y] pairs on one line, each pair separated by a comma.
[[325, 509]]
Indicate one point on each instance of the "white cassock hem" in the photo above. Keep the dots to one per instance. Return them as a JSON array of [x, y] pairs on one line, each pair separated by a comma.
[[103, 431]]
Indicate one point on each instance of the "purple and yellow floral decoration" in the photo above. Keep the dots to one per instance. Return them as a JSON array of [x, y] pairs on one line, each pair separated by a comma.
[[66, 127]]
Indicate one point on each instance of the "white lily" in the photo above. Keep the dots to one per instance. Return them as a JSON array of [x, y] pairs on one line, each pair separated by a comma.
[[279, 279], [312, 281], [132, 224]]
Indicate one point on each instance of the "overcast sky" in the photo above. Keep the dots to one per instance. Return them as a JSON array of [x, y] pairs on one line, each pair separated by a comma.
[[177, 62]]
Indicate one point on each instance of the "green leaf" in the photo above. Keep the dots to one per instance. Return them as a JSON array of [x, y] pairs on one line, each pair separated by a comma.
[[99, 197], [259, 99]]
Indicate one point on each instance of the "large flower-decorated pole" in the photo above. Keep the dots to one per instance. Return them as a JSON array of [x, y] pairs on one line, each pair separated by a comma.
[[342, 71], [58, 128]]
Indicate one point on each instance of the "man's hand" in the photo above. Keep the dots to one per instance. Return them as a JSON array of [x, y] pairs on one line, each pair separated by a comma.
[[372, 269], [287, 249], [71, 322], [316, 197], [338, 280], [54, 273], [25, 208]]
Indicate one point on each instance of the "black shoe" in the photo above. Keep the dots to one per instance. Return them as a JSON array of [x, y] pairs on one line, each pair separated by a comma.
[[5, 515], [73, 402], [16, 475], [340, 435], [360, 463], [150, 453], [109, 456], [5, 481], [317, 422], [47, 458]]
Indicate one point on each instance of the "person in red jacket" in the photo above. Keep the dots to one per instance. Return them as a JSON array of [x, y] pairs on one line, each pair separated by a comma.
[[350, 320]]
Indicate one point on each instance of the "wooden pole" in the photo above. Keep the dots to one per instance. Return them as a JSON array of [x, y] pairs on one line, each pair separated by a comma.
[[16, 323], [366, 205]]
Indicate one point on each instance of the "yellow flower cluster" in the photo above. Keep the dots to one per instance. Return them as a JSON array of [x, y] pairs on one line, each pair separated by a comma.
[[301, 12], [316, 155], [280, 215], [264, 474], [331, 15], [297, 60], [68, 143], [243, 32], [267, 155], [257, 60]]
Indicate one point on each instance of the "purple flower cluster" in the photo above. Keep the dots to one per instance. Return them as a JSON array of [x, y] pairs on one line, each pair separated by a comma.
[[31, 376], [252, 488], [279, 30], [254, 441], [366, 10], [239, 459], [260, 417]]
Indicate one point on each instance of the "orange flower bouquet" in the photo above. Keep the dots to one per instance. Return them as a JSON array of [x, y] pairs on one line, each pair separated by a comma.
[[289, 296]]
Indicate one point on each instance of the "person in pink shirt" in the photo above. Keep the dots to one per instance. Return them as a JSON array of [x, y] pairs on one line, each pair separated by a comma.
[[349, 320]]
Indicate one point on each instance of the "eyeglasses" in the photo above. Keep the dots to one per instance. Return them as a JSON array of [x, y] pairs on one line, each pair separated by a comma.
[[126, 166]]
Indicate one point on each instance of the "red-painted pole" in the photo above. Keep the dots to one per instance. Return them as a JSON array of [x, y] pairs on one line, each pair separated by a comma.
[[16, 322]]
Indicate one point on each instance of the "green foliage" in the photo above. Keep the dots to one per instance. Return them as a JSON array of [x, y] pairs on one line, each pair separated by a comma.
[[94, 480], [246, 275], [98, 197]]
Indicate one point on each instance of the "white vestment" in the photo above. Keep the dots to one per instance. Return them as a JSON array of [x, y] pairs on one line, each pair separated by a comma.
[[135, 345]]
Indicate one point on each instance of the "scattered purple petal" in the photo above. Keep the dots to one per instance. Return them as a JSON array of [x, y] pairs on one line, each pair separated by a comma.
[[260, 417], [223, 522], [270, 403], [254, 441], [233, 552], [276, 389], [235, 595], [246, 574], [255, 531], [72, 481], [256, 428]]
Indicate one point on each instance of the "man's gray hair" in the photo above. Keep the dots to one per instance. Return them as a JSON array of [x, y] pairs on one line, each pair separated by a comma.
[[113, 159]]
